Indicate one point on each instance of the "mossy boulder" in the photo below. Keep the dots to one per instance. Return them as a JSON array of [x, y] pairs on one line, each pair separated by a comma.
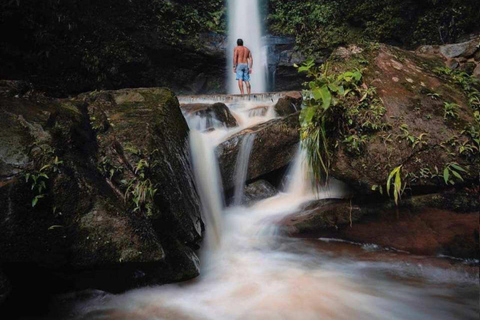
[[68, 179], [417, 132], [142, 135]]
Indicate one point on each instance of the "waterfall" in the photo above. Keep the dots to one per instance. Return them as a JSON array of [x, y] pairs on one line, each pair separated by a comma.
[[207, 178], [245, 22], [241, 170]]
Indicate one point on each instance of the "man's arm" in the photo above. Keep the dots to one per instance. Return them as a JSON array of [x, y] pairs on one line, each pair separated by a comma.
[[250, 58], [235, 58]]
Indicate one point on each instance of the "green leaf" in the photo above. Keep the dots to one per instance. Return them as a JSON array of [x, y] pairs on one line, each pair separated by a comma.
[[333, 87], [326, 97], [56, 226], [456, 166], [456, 174], [446, 175]]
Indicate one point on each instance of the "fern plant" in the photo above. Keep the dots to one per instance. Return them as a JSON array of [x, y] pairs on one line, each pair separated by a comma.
[[395, 180]]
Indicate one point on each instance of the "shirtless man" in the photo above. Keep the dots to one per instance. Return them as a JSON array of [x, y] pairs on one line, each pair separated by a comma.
[[242, 65]]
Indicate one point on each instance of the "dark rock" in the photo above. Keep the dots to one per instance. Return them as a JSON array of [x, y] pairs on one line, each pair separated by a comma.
[[428, 50], [275, 145], [476, 71], [468, 67], [282, 55], [290, 103], [347, 52], [404, 82], [476, 56], [198, 85], [452, 64], [464, 49], [4, 288], [85, 225], [14, 87], [213, 112], [259, 190], [429, 225]]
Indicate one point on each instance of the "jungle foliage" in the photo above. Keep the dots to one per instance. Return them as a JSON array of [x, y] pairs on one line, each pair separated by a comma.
[[71, 46], [339, 108], [320, 25]]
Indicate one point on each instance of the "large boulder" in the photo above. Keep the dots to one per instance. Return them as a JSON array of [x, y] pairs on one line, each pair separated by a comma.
[[430, 224], [289, 103], [217, 113], [417, 133], [467, 49], [97, 190], [464, 49], [275, 145]]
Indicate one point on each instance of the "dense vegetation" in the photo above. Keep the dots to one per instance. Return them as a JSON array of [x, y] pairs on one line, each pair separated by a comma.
[[344, 114], [71, 46], [321, 25]]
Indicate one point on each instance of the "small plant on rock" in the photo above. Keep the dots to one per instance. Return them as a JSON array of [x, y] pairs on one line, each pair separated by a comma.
[[451, 171], [450, 111], [38, 179], [395, 180]]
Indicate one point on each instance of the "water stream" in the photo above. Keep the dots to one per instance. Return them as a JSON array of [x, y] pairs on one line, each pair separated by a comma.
[[245, 22], [250, 270], [241, 169]]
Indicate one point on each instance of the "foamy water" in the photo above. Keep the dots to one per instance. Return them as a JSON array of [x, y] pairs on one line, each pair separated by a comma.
[[250, 270]]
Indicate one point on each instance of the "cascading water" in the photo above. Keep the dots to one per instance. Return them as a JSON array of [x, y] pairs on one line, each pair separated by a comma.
[[241, 169], [244, 22], [253, 271]]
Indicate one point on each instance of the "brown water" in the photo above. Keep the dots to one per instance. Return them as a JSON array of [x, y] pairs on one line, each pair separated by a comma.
[[251, 271], [258, 274]]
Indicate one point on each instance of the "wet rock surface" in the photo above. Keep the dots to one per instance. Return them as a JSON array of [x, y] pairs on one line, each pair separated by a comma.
[[290, 103], [275, 145], [430, 225], [258, 190], [212, 112], [98, 153]]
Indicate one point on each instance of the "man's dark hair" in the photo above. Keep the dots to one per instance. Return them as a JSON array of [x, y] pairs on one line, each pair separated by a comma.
[[240, 42]]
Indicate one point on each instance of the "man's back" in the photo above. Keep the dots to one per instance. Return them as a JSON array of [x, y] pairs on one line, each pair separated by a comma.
[[241, 54]]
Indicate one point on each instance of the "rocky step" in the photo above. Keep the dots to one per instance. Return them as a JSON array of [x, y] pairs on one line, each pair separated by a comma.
[[429, 225], [212, 112], [233, 98], [275, 145]]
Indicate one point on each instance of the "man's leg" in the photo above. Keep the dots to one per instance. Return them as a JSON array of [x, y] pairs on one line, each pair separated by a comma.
[[249, 87], [240, 85]]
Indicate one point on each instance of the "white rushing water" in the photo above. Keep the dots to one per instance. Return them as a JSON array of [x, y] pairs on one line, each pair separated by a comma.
[[245, 22], [241, 169], [251, 270]]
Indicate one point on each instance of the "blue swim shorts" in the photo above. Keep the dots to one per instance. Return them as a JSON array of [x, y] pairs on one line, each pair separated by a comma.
[[242, 72]]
